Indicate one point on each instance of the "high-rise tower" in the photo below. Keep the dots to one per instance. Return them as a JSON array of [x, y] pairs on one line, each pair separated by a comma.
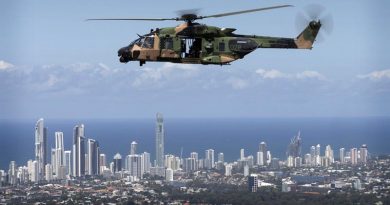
[[242, 154], [354, 156], [41, 147], [78, 151], [263, 148], [159, 140], [209, 159], [342, 155], [363, 154], [67, 162], [117, 163], [329, 153], [133, 148], [59, 152], [294, 148], [93, 157]]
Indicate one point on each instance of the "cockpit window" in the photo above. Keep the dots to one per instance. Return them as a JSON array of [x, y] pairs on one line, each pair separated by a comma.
[[144, 42], [148, 42], [135, 42]]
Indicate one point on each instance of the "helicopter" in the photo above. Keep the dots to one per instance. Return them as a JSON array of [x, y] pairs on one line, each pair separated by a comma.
[[194, 43]]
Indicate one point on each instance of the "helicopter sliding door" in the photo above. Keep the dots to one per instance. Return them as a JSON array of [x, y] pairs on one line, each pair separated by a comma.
[[191, 47]]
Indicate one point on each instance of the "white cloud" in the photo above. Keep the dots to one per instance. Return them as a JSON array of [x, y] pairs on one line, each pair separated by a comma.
[[307, 74], [376, 75], [237, 83], [5, 65], [163, 73], [274, 74], [271, 74]]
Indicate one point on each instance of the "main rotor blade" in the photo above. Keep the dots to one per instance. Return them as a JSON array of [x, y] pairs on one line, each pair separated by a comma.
[[244, 11], [135, 19]]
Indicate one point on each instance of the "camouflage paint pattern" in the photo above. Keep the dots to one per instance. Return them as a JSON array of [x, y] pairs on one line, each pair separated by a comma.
[[210, 44]]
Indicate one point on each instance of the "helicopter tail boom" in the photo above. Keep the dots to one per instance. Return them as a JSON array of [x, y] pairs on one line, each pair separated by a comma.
[[306, 39]]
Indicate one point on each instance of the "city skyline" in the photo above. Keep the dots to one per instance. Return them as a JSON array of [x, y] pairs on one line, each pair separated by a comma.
[[91, 165], [317, 170]]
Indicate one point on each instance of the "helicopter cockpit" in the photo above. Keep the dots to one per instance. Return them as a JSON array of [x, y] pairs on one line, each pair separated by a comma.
[[145, 41]]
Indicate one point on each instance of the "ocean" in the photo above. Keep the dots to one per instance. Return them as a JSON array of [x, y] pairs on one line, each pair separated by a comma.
[[197, 135]]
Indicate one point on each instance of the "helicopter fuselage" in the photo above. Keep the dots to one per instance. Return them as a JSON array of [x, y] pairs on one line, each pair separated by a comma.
[[195, 43]]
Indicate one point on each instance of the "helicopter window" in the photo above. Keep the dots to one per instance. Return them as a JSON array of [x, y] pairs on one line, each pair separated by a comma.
[[147, 42], [136, 42], [168, 43], [222, 46]]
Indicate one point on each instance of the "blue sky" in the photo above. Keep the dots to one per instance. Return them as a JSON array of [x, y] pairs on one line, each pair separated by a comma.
[[53, 64]]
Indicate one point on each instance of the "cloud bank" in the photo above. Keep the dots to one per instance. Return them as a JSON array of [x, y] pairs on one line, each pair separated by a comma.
[[5, 65], [376, 75]]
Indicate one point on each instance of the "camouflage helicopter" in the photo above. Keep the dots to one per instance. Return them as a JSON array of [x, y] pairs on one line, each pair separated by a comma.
[[195, 43]]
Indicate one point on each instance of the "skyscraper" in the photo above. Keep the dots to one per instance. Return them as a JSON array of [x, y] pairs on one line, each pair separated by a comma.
[[78, 151], [260, 158], [189, 165], [53, 160], [194, 155], [318, 154], [354, 156], [221, 157], [48, 172], [318, 150], [102, 160], [209, 159], [228, 170], [12, 173], [308, 159], [134, 165], [172, 162], [242, 154], [195, 161], [93, 157], [263, 148], [145, 162], [313, 155], [159, 140], [133, 148], [41, 147], [363, 154], [68, 162], [329, 153], [59, 152], [342, 155], [117, 163], [33, 170], [294, 148]]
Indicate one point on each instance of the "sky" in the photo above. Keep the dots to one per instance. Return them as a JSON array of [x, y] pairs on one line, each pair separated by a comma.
[[54, 64]]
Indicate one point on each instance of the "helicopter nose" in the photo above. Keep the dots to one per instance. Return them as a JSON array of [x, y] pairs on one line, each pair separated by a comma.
[[121, 51], [124, 54]]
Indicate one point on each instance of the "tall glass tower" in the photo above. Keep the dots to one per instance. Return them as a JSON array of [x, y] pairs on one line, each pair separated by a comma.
[[263, 148], [40, 147], [159, 140], [59, 152], [93, 157], [78, 151]]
